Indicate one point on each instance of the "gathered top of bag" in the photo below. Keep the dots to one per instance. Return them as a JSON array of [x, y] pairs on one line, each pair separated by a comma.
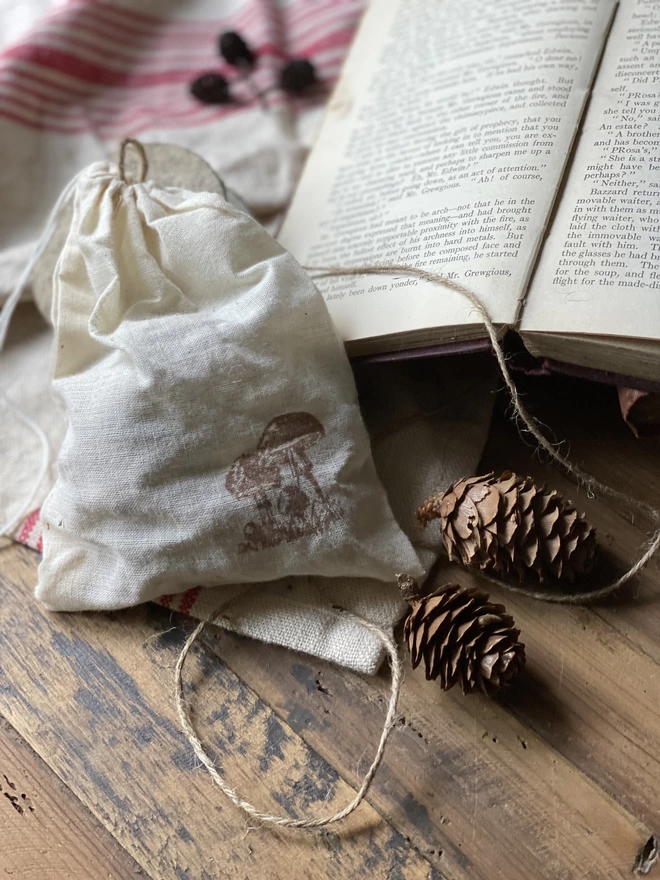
[[214, 435]]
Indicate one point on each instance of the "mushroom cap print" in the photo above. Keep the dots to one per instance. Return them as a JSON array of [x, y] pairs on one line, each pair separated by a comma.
[[299, 429], [252, 474]]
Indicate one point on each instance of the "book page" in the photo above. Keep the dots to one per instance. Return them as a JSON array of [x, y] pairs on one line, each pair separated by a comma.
[[599, 272], [442, 148]]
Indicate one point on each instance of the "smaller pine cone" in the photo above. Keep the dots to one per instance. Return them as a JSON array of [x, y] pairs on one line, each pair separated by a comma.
[[463, 638], [509, 525]]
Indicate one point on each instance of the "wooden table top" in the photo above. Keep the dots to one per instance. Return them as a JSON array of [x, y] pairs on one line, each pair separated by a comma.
[[560, 778]]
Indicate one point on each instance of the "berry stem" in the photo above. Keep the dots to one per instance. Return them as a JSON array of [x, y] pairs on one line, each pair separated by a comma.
[[245, 77]]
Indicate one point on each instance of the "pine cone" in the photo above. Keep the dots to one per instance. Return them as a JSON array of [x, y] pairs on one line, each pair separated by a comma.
[[464, 638], [508, 524]]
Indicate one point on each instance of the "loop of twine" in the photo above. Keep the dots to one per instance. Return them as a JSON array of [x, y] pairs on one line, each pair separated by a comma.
[[142, 159], [267, 818], [532, 425]]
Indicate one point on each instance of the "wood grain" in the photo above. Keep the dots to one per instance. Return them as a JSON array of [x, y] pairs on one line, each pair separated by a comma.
[[457, 772], [604, 666], [46, 832]]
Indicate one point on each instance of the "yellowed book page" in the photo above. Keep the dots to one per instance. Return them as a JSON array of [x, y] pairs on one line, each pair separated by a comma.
[[599, 272], [442, 148]]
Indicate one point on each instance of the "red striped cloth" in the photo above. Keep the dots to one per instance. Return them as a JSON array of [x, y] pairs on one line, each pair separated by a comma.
[[112, 71]]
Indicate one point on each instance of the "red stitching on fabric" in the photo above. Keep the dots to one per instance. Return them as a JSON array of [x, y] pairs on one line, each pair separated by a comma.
[[28, 525], [188, 600]]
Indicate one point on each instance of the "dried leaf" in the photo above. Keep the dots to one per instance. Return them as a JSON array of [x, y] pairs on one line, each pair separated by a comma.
[[647, 856]]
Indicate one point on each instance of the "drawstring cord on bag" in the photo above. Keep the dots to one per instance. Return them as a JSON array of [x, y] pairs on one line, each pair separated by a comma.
[[12, 301], [14, 297], [142, 156], [9, 307]]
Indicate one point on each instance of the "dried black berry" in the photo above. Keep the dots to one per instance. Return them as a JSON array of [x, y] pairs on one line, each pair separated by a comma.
[[235, 50], [211, 88], [297, 76]]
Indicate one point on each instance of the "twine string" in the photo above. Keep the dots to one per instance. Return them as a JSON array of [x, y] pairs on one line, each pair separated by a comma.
[[13, 522], [284, 821], [142, 159], [11, 303], [531, 424]]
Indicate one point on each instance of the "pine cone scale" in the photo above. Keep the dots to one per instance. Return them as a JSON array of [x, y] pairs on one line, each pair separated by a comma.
[[466, 518], [547, 523], [448, 504], [416, 648], [488, 500], [508, 503], [508, 528], [551, 548], [488, 664]]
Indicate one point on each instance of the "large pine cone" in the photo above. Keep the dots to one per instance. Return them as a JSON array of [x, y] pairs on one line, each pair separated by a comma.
[[508, 524], [463, 638]]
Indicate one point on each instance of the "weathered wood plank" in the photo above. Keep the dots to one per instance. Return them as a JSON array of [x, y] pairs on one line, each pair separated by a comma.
[[593, 679], [606, 699], [557, 781], [93, 695], [475, 790], [45, 831]]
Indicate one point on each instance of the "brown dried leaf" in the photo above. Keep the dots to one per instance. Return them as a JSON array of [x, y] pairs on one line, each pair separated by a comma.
[[647, 856]]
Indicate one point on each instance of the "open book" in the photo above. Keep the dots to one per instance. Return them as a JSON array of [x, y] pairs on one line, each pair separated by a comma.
[[512, 145]]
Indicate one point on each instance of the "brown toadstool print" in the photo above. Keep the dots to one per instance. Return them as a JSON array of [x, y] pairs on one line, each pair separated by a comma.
[[291, 435], [290, 515]]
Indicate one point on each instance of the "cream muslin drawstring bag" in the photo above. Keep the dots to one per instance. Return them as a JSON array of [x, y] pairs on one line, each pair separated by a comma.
[[214, 435]]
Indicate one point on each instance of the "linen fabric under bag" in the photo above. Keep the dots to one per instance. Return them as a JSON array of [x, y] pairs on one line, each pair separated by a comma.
[[214, 435]]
